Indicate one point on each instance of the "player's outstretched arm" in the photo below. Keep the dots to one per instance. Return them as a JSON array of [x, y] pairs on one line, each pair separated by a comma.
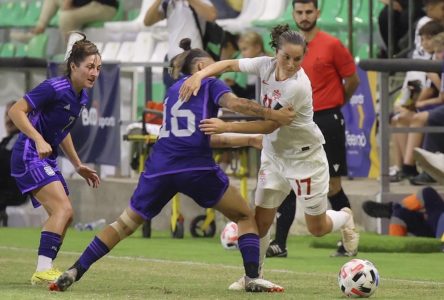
[[191, 86], [216, 126], [283, 116], [232, 141]]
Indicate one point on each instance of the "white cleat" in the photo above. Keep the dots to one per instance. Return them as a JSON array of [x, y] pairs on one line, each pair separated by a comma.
[[259, 285], [350, 237], [238, 285]]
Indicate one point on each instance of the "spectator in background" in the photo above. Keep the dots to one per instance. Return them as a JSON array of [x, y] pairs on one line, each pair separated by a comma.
[[434, 11], [400, 22], [332, 73], [181, 24], [10, 195], [74, 14], [430, 112], [432, 163], [420, 214], [406, 114]]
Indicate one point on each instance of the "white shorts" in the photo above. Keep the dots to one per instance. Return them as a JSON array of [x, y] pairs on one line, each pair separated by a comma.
[[307, 174]]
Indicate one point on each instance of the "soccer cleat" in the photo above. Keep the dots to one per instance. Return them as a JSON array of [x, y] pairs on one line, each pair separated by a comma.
[[64, 281], [45, 277], [259, 285], [432, 163], [422, 179], [350, 238], [238, 285], [274, 250], [341, 252], [378, 210]]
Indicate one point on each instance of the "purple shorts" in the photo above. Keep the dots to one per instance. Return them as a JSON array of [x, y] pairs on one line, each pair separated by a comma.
[[36, 177], [205, 187]]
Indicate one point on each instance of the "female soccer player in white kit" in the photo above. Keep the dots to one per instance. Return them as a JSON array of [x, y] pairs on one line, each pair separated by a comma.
[[292, 156]]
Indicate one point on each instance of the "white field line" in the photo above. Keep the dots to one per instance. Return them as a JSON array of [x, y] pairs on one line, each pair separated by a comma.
[[202, 264]]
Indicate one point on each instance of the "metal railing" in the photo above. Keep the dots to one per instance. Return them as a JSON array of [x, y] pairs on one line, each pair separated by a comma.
[[385, 67]]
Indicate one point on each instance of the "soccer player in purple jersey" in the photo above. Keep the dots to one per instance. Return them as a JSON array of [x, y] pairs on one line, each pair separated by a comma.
[[182, 162], [45, 116]]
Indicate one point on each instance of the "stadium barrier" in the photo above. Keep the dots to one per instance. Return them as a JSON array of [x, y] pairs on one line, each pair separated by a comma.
[[386, 67]]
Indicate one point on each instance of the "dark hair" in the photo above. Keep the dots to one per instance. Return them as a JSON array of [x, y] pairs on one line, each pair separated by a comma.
[[281, 34], [232, 39], [184, 62], [79, 51], [315, 2], [431, 28]]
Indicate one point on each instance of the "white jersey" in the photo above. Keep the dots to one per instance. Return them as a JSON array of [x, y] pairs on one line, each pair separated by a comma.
[[286, 141]]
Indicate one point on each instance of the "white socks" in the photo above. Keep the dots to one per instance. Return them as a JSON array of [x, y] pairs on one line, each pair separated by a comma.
[[338, 218], [43, 263], [263, 246]]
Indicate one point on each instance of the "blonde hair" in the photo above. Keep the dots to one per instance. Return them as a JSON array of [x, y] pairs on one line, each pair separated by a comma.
[[438, 42], [252, 38]]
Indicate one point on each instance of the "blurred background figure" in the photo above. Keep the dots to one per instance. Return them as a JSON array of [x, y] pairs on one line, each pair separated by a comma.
[[10, 195]]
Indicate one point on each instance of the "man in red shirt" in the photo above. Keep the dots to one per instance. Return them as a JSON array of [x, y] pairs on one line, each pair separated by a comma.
[[332, 72]]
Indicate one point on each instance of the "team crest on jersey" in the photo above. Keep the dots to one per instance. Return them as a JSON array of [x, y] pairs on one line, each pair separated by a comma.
[[49, 170], [262, 176], [276, 95]]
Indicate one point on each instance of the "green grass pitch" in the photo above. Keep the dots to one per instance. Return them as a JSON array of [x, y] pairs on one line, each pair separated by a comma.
[[166, 268]]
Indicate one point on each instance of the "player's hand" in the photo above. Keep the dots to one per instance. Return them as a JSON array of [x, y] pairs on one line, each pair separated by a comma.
[[213, 126], [256, 141], [89, 174], [190, 87], [43, 148], [283, 116]]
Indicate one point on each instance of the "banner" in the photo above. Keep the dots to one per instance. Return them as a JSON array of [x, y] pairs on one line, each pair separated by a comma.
[[96, 134], [360, 128]]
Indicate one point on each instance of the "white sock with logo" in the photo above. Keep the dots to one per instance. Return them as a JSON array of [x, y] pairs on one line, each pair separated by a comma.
[[338, 218], [43, 263]]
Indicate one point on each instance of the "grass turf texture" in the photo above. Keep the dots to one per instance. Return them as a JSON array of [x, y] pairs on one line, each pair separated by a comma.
[[164, 268]]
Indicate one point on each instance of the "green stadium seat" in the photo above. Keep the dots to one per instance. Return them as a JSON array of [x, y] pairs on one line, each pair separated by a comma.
[[133, 14], [7, 50], [21, 50], [117, 17], [331, 15], [32, 13], [55, 20], [12, 12], [37, 46], [287, 17]]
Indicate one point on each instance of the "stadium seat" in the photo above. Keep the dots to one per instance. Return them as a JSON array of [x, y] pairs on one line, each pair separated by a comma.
[[12, 12], [131, 26], [331, 14], [37, 46], [144, 46], [21, 50], [251, 10], [110, 51], [55, 20], [273, 10], [126, 52], [32, 13], [7, 50], [285, 18]]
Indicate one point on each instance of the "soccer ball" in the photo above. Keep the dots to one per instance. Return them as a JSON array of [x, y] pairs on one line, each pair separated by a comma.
[[358, 278], [228, 236]]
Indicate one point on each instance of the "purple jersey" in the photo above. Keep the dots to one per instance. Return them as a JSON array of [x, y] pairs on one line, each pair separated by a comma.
[[181, 145], [56, 107]]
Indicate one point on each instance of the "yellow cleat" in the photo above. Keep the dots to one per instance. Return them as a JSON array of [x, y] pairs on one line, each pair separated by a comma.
[[45, 277]]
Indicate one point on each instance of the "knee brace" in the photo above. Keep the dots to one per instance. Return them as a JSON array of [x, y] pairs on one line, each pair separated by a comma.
[[124, 225]]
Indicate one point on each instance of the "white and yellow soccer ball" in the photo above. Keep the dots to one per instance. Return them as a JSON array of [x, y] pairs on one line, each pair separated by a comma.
[[229, 236], [358, 278]]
